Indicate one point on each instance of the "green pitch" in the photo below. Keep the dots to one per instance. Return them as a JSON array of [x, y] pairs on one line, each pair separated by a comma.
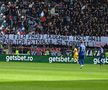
[[45, 76]]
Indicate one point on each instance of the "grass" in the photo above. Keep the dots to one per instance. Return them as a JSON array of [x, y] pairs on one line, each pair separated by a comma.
[[54, 76]]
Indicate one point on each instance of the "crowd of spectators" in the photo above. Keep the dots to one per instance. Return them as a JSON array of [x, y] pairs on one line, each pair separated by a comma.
[[54, 51], [50, 51], [59, 17]]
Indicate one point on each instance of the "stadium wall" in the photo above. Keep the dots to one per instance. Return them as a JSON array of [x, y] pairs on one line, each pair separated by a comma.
[[48, 59]]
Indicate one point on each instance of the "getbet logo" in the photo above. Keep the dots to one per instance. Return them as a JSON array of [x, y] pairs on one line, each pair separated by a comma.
[[60, 59], [104, 60], [19, 58]]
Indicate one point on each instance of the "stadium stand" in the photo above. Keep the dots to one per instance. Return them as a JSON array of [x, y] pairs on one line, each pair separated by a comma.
[[58, 17], [53, 17]]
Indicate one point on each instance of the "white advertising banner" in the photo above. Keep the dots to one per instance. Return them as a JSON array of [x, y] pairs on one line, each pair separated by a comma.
[[52, 39]]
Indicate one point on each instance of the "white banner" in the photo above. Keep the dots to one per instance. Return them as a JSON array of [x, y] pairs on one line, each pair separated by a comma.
[[52, 39]]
